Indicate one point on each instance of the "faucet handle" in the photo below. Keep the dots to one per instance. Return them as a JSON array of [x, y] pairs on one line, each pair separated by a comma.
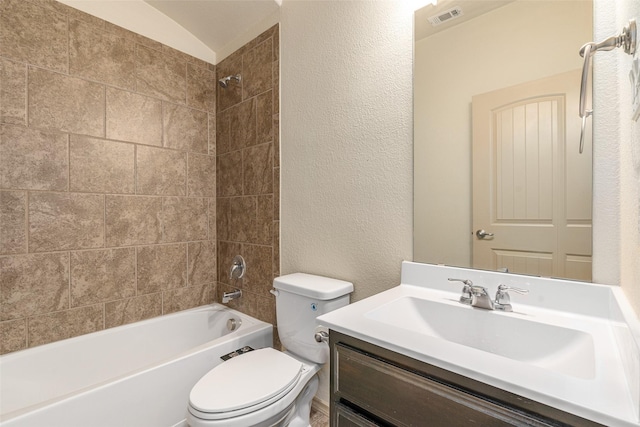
[[503, 301], [505, 289], [238, 267], [466, 296], [466, 282]]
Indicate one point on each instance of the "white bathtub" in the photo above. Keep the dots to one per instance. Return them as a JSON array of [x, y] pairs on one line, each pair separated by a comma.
[[134, 375]]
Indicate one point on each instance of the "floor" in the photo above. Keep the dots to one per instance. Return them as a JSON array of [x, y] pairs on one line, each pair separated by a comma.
[[318, 419]]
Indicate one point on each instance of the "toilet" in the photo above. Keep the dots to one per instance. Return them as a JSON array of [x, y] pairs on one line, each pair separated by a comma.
[[266, 387]]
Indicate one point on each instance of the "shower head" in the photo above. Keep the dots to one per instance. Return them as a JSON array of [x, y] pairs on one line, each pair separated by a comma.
[[224, 82]]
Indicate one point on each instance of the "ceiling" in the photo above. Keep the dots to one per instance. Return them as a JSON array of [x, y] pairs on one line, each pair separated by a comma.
[[470, 9], [216, 22], [207, 29], [212, 29]]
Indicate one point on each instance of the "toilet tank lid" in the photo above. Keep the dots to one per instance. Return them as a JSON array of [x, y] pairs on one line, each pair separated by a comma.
[[309, 285]]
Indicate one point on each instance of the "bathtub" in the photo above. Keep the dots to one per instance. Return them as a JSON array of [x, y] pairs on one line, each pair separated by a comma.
[[134, 375]]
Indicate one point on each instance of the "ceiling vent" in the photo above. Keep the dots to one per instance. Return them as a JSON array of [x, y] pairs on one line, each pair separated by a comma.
[[445, 16]]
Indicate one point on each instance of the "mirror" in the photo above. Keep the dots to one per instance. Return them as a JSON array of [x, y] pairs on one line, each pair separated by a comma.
[[496, 137]]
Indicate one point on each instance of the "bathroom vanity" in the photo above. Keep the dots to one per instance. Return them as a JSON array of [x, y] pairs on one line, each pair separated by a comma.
[[372, 386], [415, 355]]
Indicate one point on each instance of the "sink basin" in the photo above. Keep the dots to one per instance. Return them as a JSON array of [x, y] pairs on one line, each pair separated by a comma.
[[562, 350], [569, 345]]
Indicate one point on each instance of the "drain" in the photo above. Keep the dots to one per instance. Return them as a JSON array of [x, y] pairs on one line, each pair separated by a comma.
[[233, 324]]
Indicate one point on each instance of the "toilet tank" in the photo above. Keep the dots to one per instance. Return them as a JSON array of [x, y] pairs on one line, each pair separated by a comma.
[[300, 298]]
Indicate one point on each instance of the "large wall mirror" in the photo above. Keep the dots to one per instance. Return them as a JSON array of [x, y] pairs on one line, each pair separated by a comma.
[[498, 180]]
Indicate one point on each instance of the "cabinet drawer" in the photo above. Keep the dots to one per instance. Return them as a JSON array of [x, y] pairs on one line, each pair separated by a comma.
[[345, 417], [404, 398]]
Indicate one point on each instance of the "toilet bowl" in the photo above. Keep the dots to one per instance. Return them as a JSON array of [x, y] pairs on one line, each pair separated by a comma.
[[266, 387]]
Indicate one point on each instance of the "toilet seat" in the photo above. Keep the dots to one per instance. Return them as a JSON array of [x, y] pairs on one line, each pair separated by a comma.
[[254, 380]]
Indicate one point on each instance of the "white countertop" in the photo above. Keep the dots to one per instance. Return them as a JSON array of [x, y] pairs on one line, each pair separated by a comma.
[[607, 396]]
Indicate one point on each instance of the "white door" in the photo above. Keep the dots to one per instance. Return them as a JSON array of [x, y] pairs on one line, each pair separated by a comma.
[[531, 187]]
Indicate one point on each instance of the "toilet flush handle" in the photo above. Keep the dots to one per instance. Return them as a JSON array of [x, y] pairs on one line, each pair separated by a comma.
[[321, 336]]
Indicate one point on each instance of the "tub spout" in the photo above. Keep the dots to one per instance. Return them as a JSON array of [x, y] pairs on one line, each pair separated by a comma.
[[228, 296]]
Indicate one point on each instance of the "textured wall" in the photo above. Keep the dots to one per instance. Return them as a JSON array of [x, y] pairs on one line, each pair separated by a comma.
[[616, 148], [107, 176], [346, 203], [346, 141], [248, 173]]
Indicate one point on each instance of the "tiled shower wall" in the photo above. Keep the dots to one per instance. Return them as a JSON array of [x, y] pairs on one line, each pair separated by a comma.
[[248, 166], [108, 175]]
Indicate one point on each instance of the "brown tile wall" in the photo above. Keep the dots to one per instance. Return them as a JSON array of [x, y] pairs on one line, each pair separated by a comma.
[[108, 175], [247, 168]]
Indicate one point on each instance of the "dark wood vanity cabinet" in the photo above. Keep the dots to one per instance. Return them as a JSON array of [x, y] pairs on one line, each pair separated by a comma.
[[373, 386]]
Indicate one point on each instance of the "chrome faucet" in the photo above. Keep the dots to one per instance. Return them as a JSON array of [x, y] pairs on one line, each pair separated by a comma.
[[478, 296], [238, 268], [503, 300], [466, 296], [228, 296]]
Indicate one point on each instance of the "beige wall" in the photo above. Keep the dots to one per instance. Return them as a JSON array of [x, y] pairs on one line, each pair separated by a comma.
[[346, 203], [616, 197], [443, 86], [248, 164]]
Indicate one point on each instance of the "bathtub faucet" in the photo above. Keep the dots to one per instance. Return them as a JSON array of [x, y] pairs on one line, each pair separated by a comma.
[[228, 296]]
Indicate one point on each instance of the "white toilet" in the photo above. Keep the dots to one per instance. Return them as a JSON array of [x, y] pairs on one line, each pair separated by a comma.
[[266, 387]]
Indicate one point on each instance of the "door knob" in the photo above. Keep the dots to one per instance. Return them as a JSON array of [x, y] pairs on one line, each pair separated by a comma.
[[481, 234]]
